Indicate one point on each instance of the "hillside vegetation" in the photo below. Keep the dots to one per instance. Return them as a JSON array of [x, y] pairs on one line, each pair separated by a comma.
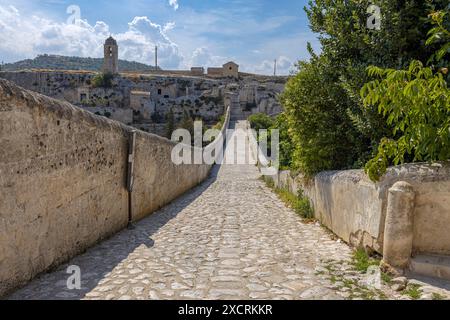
[[72, 63]]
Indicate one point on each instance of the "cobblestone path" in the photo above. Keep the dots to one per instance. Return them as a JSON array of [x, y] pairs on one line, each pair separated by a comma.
[[230, 238]]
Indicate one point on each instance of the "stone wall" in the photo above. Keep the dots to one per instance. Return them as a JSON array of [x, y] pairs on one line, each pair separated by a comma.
[[215, 72], [355, 208], [63, 181], [431, 212], [199, 97], [153, 96], [186, 73]]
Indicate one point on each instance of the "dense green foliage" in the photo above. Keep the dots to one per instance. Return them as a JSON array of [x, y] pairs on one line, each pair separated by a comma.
[[315, 108], [264, 122], [103, 80], [440, 35], [260, 121], [54, 62], [286, 144], [416, 102], [329, 124]]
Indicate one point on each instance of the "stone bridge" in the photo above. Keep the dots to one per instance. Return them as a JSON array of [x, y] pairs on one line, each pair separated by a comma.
[[229, 237]]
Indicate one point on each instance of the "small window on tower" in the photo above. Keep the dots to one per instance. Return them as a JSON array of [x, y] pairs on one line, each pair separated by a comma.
[[159, 91]]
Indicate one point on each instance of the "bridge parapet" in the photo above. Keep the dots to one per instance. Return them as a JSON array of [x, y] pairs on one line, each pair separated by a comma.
[[63, 174]]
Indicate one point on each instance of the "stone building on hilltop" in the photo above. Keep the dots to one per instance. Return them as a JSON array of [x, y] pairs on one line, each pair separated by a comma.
[[231, 70], [228, 70]]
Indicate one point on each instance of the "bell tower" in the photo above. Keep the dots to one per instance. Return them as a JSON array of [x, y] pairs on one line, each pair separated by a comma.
[[111, 59]]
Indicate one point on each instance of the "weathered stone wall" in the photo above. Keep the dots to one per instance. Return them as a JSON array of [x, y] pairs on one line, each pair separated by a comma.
[[60, 85], [431, 215], [200, 97], [355, 208], [63, 181]]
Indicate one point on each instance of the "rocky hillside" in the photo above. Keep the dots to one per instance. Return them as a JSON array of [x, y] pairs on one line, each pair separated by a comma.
[[72, 63]]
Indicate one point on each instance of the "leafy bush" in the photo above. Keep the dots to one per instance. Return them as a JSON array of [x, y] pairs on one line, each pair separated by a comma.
[[440, 35], [260, 121], [315, 109], [329, 124], [416, 102], [351, 47], [103, 80], [286, 144]]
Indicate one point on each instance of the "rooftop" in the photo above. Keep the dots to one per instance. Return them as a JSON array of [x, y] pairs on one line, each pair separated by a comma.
[[111, 41]]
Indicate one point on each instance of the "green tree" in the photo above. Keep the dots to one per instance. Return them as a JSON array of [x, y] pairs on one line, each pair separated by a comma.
[[416, 102], [351, 47], [329, 124], [103, 80], [259, 121], [440, 35], [320, 130], [286, 144]]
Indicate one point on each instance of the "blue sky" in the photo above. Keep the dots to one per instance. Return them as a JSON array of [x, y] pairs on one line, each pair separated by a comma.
[[189, 32]]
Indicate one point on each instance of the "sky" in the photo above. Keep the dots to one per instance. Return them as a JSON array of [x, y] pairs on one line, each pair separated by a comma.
[[253, 33]]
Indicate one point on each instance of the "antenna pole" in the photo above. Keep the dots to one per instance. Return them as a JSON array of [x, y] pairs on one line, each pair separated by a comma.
[[156, 57]]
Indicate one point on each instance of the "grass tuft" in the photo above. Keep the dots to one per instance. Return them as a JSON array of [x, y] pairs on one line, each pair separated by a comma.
[[413, 291], [386, 278], [362, 261], [299, 203]]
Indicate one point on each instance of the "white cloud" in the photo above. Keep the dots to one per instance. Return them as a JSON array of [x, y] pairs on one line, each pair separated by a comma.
[[82, 39], [142, 36], [168, 26], [202, 57], [174, 4], [25, 36], [284, 66]]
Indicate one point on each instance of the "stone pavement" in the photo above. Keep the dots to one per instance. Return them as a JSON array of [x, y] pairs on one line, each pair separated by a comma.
[[230, 238]]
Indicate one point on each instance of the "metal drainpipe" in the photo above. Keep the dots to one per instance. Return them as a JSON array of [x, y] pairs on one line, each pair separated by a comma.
[[130, 175]]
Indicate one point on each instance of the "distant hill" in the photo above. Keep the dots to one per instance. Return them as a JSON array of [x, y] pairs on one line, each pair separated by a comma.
[[72, 63]]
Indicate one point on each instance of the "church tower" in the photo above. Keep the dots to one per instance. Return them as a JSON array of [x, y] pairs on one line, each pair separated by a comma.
[[111, 60]]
